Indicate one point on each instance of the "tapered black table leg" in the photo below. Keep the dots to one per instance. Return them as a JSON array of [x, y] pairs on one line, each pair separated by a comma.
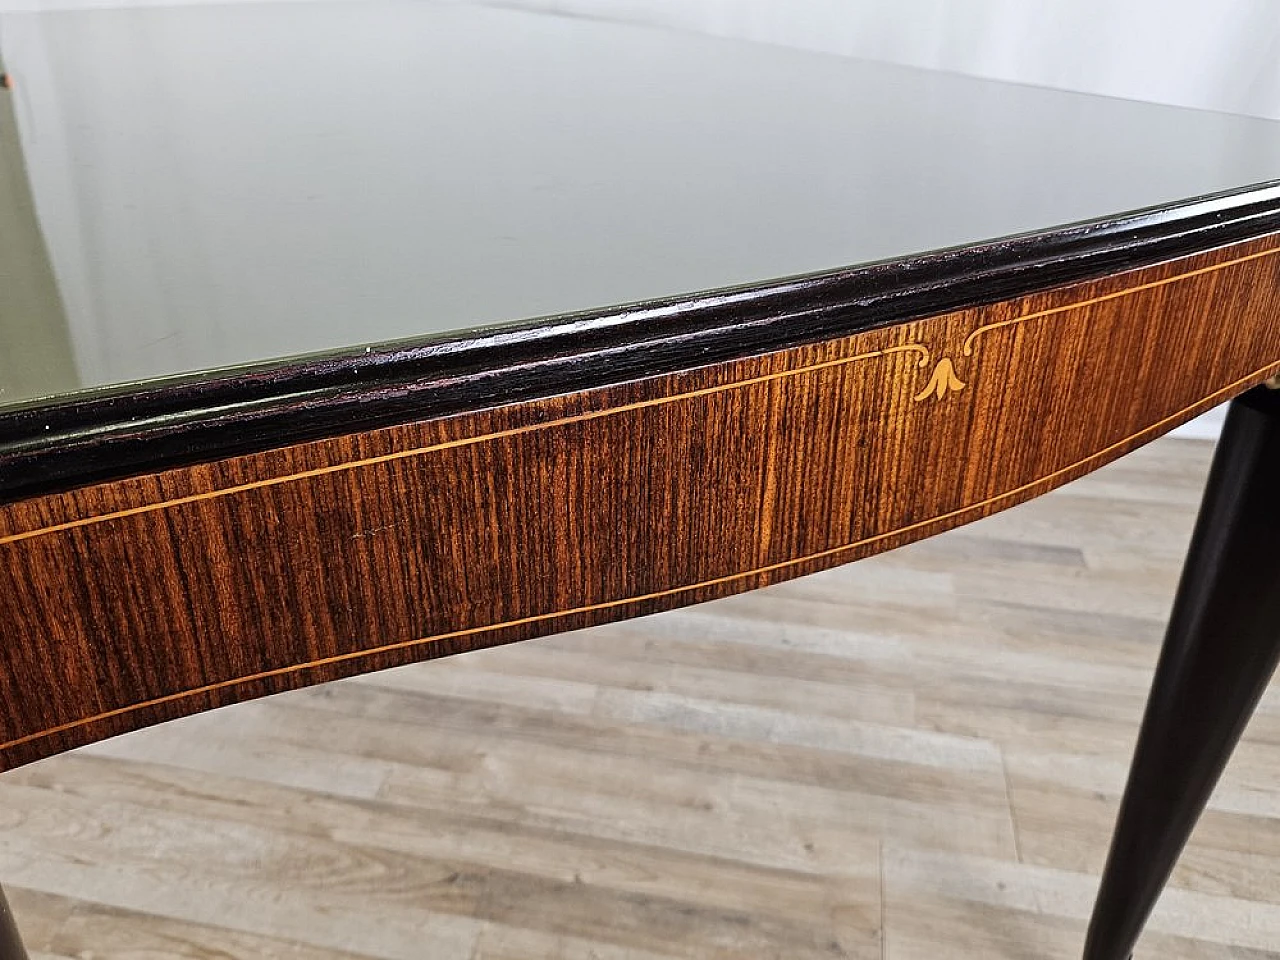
[[10, 943], [1220, 650]]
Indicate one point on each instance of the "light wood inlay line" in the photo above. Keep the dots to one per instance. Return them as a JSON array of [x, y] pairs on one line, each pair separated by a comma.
[[1153, 430], [464, 442], [969, 341], [924, 352]]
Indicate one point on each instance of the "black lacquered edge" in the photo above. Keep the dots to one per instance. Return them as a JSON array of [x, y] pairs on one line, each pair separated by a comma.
[[107, 434]]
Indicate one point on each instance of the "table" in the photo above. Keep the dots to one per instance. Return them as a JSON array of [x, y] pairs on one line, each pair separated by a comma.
[[272, 411]]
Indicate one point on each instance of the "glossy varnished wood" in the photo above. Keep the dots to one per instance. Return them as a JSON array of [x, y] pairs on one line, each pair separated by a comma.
[[916, 756], [138, 600]]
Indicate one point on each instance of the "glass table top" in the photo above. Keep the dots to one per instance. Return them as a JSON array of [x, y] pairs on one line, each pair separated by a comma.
[[197, 187]]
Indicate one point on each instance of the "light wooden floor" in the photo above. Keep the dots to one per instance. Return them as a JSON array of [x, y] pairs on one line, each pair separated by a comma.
[[918, 756]]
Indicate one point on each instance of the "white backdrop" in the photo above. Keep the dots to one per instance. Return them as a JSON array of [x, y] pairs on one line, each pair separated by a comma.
[[1223, 55]]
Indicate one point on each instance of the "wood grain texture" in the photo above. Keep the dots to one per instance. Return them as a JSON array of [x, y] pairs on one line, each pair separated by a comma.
[[133, 601], [913, 757]]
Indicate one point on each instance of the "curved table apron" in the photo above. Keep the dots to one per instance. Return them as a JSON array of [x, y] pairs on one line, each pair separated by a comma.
[[151, 597], [135, 600]]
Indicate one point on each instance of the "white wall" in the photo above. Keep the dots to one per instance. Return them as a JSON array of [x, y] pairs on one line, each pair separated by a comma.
[[1221, 55]]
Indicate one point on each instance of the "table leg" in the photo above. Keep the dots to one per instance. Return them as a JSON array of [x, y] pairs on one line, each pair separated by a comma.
[[1220, 650], [11, 947]]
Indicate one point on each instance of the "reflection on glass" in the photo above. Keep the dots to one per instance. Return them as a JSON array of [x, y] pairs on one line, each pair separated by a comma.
[[221, 184], [35, 346]]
